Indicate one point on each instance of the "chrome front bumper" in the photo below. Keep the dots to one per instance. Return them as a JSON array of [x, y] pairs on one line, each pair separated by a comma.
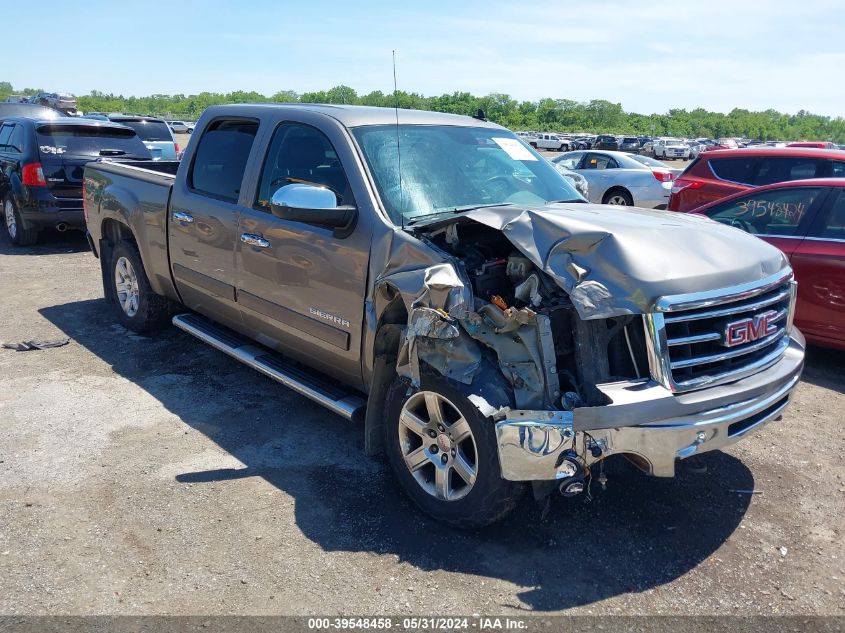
[[648, 421]]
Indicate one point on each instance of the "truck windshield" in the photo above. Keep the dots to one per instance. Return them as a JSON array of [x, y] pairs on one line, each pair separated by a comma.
[[83, 140], [448, 168]]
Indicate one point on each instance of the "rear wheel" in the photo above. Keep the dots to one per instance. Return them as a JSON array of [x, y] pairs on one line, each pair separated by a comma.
[[444, 454], [618, 197], [19, 235], [138, 307]]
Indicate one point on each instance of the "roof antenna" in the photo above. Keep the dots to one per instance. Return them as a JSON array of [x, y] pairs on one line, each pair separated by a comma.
[[480, 115], [398, 150]]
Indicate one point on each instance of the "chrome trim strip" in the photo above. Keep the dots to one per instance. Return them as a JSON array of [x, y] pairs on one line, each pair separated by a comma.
[[793, 287], [698, 338], [694, 300], [734, 375], [734, 309], [734, 353], [824, 239]]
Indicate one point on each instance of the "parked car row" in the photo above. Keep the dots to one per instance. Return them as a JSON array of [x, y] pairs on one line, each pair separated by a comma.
[[181, 127], [41, 169], [793, 198], [60, 101], [156, 133], [619, 179]]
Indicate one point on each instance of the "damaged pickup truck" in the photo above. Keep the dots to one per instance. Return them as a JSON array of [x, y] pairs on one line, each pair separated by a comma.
[[432, 278]]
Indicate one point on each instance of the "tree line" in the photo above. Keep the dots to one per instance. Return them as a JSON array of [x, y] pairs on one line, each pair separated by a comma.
[[559, 115]]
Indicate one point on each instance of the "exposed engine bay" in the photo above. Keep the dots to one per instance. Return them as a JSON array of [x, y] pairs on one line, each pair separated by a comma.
[[552, 358]]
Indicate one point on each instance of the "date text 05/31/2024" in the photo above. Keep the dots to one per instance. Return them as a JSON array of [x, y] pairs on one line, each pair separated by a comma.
[[417, 623]]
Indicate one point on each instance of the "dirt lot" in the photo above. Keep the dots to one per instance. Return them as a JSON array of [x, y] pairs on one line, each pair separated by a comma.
[[155, 475]]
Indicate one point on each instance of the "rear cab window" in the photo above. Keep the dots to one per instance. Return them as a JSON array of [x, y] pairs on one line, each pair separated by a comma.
[[221, 158], [57, 140], [739, 170]]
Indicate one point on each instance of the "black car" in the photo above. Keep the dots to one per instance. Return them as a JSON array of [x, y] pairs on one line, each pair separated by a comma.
[[606, 141], [42, 162]]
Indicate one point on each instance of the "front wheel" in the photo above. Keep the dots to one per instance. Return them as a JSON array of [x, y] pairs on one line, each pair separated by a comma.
[[138, 307], [444, 454]]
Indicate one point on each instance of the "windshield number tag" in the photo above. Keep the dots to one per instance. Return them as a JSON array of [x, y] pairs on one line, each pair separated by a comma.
[[49, 149], [514, 149]]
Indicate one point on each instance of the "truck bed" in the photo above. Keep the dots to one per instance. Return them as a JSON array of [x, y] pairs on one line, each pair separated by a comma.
[[140, 192], [166, 168]]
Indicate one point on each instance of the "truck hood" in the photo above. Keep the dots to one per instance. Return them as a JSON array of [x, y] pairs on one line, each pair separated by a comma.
[[613, 261]]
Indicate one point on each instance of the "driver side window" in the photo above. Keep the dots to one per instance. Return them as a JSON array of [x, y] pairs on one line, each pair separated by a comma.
[[300, 153], [778, 212]]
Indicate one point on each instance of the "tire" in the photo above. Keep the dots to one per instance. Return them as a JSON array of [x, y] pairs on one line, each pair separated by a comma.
[[18, 234], [138, 308], [486, 498], [618, 197]]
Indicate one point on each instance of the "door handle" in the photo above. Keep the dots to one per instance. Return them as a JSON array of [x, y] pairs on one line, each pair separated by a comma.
[[254, 240], [181, 216]]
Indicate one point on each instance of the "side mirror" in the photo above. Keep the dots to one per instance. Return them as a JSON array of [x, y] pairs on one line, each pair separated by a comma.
[[312, 204]]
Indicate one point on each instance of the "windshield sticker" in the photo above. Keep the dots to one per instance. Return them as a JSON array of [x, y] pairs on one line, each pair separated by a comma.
[[514, 149], [49, 149]]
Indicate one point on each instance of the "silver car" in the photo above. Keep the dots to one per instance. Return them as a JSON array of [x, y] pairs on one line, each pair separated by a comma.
[[617, 178]]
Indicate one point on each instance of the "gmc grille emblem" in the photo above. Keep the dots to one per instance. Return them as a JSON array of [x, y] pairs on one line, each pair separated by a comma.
[[750, 329]]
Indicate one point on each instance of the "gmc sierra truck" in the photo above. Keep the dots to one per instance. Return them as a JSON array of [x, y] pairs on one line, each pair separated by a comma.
[[432, 278]]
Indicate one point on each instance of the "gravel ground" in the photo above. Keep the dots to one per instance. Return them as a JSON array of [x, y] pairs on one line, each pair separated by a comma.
[[157, 476]]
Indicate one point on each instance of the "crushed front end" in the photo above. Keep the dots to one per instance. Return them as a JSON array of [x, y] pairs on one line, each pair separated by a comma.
[[595, 363]]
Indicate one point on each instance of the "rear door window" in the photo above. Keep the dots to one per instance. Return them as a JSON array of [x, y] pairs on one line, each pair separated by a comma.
[[16, 140], [779, 212], [57, 140], [833, 227], [221, 158], [782, 169], [5, 134], [740, 170]]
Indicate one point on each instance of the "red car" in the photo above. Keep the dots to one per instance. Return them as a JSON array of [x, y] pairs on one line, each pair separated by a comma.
[[806, 220], [714, 175]]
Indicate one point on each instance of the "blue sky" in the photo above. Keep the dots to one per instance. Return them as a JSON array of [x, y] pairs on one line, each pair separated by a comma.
[[650, 56]]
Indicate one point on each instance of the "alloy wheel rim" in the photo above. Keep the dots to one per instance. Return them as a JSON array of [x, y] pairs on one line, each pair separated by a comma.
[[126, 284], [438, 446], [11, 223], [618, 200]]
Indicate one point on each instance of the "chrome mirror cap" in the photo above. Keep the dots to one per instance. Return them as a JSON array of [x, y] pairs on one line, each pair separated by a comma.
[[304, 196]]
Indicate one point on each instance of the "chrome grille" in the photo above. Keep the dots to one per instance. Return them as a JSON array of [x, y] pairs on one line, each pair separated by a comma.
[[689, 335]]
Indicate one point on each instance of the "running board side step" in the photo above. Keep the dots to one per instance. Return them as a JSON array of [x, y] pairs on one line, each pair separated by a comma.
[[338, 400]]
